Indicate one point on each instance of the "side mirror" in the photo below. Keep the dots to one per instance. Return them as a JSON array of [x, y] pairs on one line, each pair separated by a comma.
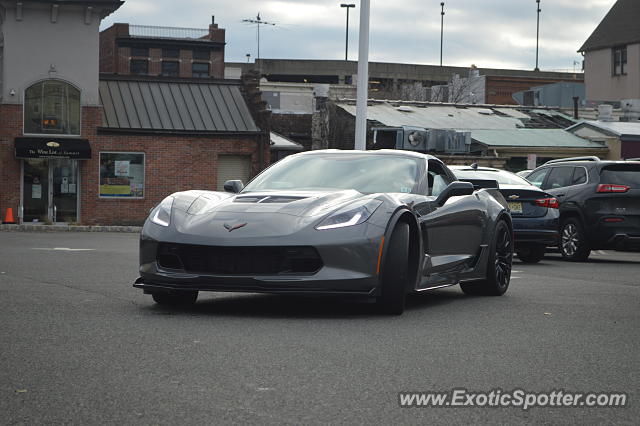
[[233, 186], [454, 189]]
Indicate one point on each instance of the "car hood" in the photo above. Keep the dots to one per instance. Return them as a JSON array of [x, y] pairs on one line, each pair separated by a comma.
[[256, 214]]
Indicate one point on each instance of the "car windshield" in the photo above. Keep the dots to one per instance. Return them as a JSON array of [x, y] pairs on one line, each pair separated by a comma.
[[366, 173], [503, 177]]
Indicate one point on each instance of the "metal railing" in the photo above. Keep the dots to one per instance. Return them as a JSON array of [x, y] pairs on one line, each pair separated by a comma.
[[168, 32]]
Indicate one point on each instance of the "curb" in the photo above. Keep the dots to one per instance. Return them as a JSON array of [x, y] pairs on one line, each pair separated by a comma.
[[68, 228]]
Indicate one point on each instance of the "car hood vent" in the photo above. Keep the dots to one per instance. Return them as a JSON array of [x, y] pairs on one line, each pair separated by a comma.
[[268, 199]]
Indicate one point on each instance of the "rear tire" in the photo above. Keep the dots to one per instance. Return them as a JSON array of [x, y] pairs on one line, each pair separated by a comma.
[[573, 241], [395, 272], [498, 265], [182, 298], [532, 254]]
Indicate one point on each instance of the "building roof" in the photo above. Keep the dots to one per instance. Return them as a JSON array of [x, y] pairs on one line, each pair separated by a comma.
[[279, 142], [622, 129], [534, 138], [619, 27], [460, 117], [172, 106]]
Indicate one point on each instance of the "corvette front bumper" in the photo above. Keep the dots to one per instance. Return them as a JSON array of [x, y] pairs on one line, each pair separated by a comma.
[[349, 267]]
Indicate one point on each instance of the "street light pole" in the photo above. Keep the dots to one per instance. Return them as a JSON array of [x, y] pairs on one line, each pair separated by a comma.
[[441, 29], [537, 33], [363, 78], [346, 46]]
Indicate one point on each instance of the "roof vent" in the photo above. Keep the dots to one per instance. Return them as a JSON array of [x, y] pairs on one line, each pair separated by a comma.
[[405, 108], [605, 112], [485, 111]]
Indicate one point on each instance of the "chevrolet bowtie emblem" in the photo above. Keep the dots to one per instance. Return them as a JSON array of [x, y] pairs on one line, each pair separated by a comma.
[[514, 197], [230, 227]]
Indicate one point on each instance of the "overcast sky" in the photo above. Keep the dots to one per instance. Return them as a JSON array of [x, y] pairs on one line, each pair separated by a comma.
[[487, 33]]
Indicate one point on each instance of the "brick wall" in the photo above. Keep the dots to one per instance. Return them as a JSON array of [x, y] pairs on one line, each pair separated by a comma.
[[114, 59], [172, 163], [10, 127]]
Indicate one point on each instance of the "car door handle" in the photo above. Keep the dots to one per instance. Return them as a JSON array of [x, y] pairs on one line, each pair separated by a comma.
[[560, 195]]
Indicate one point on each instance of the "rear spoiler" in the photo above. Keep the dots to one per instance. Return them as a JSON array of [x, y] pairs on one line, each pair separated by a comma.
[[482, 183]]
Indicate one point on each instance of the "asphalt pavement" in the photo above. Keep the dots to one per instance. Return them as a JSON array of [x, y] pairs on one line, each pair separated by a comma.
[[80, 345]]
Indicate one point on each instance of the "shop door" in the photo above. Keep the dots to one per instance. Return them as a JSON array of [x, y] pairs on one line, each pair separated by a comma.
[[64, 190], [35, 196], [50, 190]]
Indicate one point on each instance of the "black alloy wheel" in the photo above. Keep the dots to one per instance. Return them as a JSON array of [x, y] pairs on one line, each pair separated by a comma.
[[573, 243], [498, 274]]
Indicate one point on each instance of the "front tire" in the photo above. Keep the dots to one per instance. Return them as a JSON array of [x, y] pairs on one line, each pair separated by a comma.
[[532, 254], [395, 272], [182, 298], [573, 241], [498, 265]]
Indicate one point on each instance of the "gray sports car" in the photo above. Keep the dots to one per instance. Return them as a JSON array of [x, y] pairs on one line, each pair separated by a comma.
[[372, 224]]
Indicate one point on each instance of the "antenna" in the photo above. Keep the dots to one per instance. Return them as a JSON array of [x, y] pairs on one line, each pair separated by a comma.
[[258, 21]]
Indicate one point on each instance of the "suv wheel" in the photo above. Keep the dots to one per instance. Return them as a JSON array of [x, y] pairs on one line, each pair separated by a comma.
[[573, 241]]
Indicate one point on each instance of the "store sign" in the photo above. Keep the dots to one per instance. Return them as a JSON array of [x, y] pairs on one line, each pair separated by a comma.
[[79, 149]]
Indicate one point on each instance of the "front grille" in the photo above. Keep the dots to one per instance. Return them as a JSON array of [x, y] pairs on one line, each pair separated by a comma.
[[239, 260]]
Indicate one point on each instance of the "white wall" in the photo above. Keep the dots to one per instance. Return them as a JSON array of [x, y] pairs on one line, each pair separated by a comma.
[[34, 43], [602, 85]]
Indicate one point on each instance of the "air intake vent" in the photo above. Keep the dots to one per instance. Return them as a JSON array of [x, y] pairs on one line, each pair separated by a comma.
[[283, 199]]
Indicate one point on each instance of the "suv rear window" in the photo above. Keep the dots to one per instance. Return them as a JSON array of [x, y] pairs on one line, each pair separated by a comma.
[[621, 174]]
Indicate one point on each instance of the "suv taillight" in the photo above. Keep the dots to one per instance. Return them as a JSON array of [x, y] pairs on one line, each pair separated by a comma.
[[551, 203], [607, 187]]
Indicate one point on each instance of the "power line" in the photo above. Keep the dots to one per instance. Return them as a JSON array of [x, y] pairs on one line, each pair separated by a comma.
[[258, 21]]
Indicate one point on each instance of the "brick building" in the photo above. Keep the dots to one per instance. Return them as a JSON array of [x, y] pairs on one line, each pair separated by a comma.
[[163, 51], [77, 146]]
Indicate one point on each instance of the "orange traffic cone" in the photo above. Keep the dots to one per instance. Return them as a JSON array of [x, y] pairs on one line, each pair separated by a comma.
[[9, 216]]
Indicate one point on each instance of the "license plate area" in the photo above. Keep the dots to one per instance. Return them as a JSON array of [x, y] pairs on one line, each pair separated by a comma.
[[515, 207]]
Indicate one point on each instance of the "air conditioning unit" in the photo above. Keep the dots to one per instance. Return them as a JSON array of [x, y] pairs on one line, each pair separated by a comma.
[[414, 139], [422, 140]]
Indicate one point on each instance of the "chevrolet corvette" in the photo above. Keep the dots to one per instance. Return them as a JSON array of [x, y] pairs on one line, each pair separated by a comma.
[[369, 224]]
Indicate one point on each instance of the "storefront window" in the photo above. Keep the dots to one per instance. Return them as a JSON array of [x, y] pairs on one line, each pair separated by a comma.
[[121, 174], [52, 107]]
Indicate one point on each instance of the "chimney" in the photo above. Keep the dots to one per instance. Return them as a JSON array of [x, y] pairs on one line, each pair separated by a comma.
[[215, 33]]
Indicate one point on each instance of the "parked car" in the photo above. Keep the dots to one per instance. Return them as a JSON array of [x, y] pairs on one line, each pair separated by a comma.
[[599, 203], [376, 224], [524, 173], [534, 211]]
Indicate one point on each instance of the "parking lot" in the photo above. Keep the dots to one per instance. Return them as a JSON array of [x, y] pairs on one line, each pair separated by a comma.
[[80, 345]]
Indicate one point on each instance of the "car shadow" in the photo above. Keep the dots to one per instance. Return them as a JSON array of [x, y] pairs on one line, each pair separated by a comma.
[[301, 307]]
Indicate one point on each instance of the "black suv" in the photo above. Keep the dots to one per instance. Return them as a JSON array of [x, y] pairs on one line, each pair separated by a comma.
[[599, 203]]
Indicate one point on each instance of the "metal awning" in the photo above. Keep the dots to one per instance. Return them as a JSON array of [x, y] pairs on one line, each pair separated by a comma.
[[174, 107], [51, 147]]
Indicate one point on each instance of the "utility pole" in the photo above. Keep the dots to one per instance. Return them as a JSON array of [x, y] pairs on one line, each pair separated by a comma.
[[346, 46], [363, 77], [537, 33], [258, 22], [441, 30]]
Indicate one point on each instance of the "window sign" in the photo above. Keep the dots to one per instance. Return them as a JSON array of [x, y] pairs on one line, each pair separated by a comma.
[[121, 174]]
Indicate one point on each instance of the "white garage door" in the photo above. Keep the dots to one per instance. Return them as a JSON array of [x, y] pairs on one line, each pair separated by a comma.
[[233, 167]]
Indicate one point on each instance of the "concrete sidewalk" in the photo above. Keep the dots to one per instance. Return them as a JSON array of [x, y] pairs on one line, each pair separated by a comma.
[[68, 228]]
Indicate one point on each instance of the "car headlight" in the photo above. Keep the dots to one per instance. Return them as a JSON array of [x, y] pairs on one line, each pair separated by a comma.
[[353, 214], [162, 214]]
